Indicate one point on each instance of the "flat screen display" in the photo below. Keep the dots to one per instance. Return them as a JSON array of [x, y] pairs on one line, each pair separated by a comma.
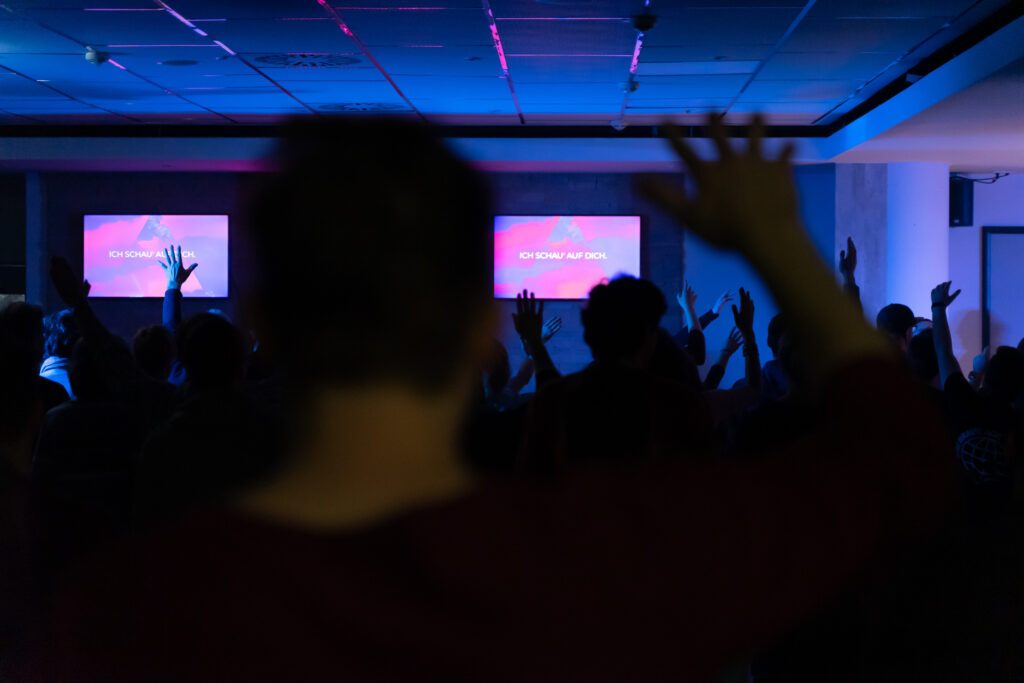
[[563, 257], [122, 254]]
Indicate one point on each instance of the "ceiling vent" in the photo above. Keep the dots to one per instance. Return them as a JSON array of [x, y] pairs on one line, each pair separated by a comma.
[[363, 107], [306, 60]]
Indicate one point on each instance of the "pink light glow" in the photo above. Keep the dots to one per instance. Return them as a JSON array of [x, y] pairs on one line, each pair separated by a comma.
[[623, 19], [636, 54], [115, 63], [497, 41], [224, 47]]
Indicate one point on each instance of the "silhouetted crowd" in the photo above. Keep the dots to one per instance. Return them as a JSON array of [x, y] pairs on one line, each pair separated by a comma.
[[354, 484]]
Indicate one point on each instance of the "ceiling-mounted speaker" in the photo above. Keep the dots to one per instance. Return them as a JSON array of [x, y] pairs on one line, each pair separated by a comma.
[[961, 202]]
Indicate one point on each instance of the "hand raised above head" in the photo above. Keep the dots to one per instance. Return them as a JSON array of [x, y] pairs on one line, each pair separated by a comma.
[[72, 290], [744, 315], [742, 200], [941, 298], [175, 268], [529, 318]]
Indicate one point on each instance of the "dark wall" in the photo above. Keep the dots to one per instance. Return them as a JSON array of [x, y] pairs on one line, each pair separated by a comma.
[[12, 233], [67, 196]]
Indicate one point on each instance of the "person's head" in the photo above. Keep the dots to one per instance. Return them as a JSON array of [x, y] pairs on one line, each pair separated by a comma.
[[923, 360], [212, 351], [371, 248], [1004, 377], [776, 328], [153, 350], [61, 333], [897, 321], [621, 319], [920, 325], [89, 372]]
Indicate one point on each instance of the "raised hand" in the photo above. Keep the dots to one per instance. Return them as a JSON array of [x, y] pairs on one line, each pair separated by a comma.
[[550, 329], [733, 343], [175, 268], [722, 300], [941, 298], [848, 261], [529, 320], [72, 290], [744, 315], [743, 200], [686, 298]]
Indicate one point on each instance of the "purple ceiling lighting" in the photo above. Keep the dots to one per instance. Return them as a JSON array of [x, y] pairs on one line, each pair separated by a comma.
[[496, 37], [535, 63]]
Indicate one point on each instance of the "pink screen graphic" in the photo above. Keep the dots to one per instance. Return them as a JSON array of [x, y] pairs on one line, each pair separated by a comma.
[[563, 257], [122, 254]]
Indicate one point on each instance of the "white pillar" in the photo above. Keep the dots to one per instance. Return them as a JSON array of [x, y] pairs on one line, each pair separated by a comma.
[[917, 235]]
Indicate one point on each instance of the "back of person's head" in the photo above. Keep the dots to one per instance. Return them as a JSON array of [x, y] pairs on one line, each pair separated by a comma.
[[897, 322], [89, 371], [61, 333], [372, 247], [673, 363], [212, 351], [1004, 377], [923, 360], [153, 350], [621, 318], [776, 327]]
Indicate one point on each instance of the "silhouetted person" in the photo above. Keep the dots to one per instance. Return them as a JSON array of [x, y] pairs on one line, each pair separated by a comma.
[[61, 334], [897, 322], [642, 416], [153, 350], [217, 441], [374, 555]]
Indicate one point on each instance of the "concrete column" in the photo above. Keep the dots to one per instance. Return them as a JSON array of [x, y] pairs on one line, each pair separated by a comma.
[[36, 251], [917, 237]]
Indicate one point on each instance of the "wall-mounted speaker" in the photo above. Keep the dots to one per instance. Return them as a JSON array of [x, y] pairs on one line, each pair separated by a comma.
[[961, 202]]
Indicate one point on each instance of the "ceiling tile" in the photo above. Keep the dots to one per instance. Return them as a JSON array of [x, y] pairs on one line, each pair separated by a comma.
[[587, 8], [567, 38], [468, 89], [891, 8], [479, 60], [447, 27], [23, 36], [564, 92], [569, 69], [659, 87], [824, 90], [716, 27], [118, 28], [818, 65], [860, 35], [265, 36]]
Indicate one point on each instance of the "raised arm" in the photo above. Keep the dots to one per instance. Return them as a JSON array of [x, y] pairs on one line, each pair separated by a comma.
[[712, 314], [177, 274], [860, 483], [744, 319], [941, 299], [529, 323], [717, 371], [848, 270]]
